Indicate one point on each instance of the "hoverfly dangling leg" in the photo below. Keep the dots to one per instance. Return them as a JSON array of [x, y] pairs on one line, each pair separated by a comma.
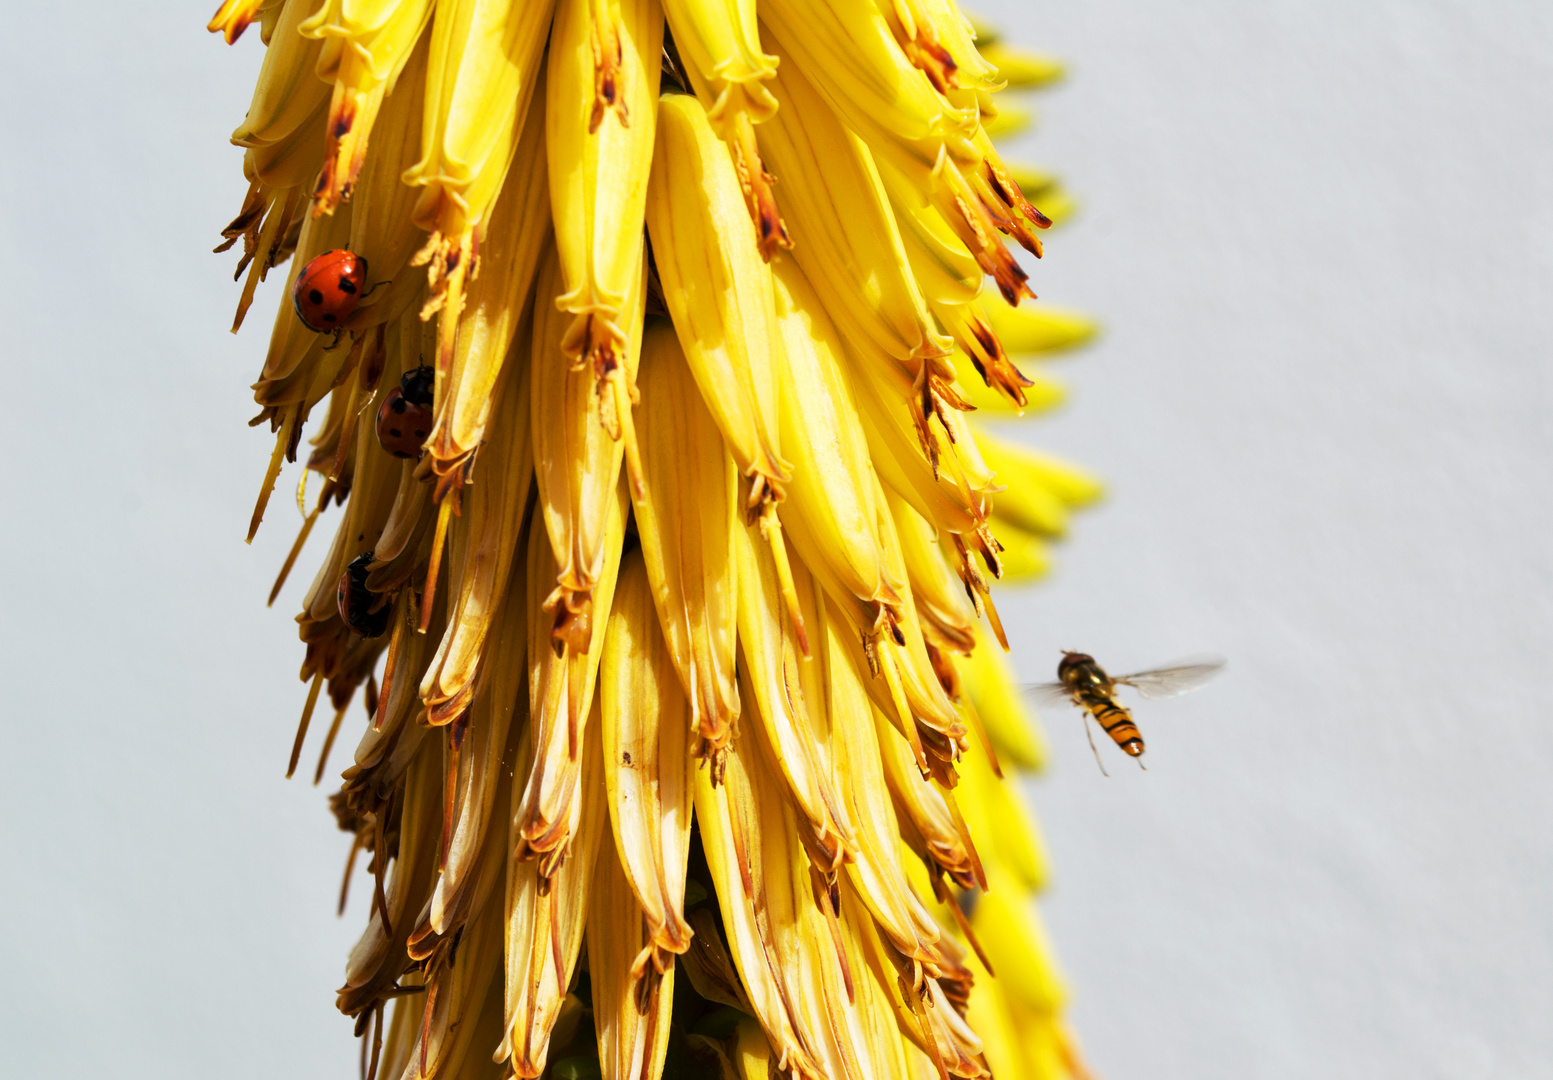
[[1084, 718]]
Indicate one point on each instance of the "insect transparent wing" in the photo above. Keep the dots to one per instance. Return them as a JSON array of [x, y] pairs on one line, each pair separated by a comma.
[[1048, 693], [1176, 678]]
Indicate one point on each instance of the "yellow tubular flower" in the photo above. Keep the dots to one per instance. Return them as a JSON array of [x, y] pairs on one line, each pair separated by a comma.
[[835, 198], [365, 46], [719, 47], [667, 546], [599, 140], [685, 516], [646, 732], [717, 288]]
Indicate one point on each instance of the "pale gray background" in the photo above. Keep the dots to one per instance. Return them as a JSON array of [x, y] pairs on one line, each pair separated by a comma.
[[1320, 236]]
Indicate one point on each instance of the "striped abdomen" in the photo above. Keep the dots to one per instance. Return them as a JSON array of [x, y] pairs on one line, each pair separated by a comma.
[[1116, 722]]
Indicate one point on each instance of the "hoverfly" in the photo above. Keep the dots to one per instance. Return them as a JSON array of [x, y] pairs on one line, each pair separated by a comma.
[[1085, 683]]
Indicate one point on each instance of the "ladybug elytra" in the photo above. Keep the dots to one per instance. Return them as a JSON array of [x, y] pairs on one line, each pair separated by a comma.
[[328, 289], [355, 601], [404, 418]]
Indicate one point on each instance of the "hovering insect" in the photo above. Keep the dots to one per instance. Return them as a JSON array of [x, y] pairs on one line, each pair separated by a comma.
[[1085, 683]]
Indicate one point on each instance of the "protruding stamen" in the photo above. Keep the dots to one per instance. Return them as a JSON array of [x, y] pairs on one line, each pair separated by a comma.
[[908, 723], [323, 756], [291, 556], [307, 718], [434, 565], [390, 667], [973, 721], [284, 439], [625, 398], [964, 833], [770, 231], [261, 255], [970, 935], [771, 530]]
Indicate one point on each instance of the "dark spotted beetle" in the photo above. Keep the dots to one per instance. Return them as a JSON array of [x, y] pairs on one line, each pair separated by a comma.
[[404, 418], [328, 289], [355, 601]]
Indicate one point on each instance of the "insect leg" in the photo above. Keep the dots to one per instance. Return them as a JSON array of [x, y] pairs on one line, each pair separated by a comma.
[[1090, 735]]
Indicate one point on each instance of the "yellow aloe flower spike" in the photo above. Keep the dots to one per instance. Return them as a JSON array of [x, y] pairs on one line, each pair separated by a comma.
[[665, 542]]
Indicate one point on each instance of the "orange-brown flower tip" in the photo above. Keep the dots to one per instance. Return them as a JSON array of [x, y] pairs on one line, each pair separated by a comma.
[[773, 231], [573, 627], [770, 230], [991, 362], [444, 712], [608, 60], [233, 17], [246, 224], [943, 669], [1011, 280], [935, 62], [1007, 190], [342, 162], [1002, 216]]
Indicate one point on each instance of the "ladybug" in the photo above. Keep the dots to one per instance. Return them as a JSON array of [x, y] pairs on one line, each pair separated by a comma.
[[404, 418], [328, 289], [355, 601]]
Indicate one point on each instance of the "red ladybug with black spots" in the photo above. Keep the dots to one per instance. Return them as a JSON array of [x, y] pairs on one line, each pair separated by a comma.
[[355, 602], [404, 418], [329, 288]]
